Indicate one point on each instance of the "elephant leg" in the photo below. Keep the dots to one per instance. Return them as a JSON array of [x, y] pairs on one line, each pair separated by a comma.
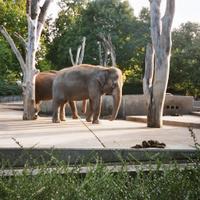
[[90, 112], [84, 106], [96, 104], [37, 109], [56, 106], [73, 109], [62, 111]]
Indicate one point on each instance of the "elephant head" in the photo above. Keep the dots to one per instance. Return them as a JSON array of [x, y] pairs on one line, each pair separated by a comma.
[[111, 82]]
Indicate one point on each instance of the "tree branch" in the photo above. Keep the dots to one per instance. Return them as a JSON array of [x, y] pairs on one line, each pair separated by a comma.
[[167, 24], [13, 47], [71, 56], [82, 51], [108, 47], [169, 15], [155, 23], [22, 40], [100, 53], [28, 7], [77, 55], [149, 70], [42, 17], [112, 51]]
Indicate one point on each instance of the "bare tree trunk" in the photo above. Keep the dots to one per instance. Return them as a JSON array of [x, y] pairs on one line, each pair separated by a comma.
[[109, 49], [100, 54], [36, 18], [79, 60], [79, 54], [30, 71], [149, 72], [155, 83]]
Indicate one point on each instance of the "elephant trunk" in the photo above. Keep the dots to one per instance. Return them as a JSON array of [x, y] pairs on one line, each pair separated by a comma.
[[117, 97]]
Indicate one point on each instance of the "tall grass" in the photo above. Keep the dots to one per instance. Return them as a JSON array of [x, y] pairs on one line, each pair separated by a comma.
[[99, 183]]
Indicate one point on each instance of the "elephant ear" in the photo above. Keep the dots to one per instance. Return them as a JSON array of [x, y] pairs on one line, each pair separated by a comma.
[[102, 77]]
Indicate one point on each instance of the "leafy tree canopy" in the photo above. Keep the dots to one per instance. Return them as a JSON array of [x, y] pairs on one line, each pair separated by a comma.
[[185, 62], [109, 17]]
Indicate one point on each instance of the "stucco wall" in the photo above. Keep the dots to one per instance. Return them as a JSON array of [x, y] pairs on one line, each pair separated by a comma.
[[135, 105]]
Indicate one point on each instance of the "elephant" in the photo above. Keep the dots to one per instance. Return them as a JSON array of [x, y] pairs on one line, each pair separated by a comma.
[[87, 82], [43, 91]]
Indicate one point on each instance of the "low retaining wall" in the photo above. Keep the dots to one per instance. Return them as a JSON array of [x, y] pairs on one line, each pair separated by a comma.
[[10, 98], [84, 156], [134, 105], [196, 106]]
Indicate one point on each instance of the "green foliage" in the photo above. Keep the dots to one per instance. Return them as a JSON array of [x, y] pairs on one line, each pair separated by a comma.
[[9, 88], [62, 182], [133, 81], [9, 73], [6, 57], [185, 61], [115, 17], [13, 17]]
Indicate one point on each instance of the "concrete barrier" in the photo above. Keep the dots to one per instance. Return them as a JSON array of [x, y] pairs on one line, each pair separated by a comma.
[[18, 157], [134, 105], [10, 98], [196, 106]]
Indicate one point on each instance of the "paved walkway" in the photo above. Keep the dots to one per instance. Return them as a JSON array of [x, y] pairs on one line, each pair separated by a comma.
[[182, 120], [81, 134]]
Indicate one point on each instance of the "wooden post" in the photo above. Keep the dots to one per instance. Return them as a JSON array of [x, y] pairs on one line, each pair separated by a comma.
[[158, 61]]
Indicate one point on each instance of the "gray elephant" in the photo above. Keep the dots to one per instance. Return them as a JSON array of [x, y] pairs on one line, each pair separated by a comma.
[[87, 82], [43, 92]]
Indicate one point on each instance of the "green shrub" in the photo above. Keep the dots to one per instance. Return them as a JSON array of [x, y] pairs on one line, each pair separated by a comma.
[[133, 88], [102, 184], [9, 88]]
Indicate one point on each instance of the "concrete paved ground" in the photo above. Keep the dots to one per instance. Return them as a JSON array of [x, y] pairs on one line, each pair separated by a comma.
[[81, 134], [182, 120]]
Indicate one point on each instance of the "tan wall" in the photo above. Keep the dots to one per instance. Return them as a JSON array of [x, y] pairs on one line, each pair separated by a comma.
[[135, 105]]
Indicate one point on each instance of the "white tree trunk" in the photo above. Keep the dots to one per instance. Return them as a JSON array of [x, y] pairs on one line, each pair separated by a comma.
[[36, 18], [155, 84], [30, 72], [79, 54], [109, 49]]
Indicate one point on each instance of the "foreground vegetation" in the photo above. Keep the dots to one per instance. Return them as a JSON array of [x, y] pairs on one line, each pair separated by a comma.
[[63, 182]]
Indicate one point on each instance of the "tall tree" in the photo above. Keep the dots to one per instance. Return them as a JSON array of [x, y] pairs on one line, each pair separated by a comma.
[[158, 61], [109, 17], [36, 15], [185, 61]]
